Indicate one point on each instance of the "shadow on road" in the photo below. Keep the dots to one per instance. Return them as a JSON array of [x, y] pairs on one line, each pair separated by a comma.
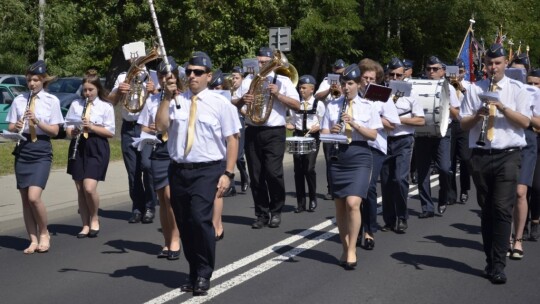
[[419, 260], [470, 229], [455, 242], [13, 242], [236, 219], [124, 246]]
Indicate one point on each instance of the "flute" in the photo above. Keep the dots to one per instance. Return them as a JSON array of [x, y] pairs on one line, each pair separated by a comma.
[[78, 138]]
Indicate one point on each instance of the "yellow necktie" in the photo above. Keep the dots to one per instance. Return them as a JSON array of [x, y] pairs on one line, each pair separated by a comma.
[[491, 118], [31, 124], [164, 136], [191, 125], [348, 128], [87, 116]]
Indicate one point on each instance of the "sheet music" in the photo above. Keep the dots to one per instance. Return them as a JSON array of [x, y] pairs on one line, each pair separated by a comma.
[[332, 79], [400, 88], [487, 96], [145, 139], [333, 138], [15, 136]]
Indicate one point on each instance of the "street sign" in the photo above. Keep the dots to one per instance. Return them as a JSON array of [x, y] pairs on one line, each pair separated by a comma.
[[280, 38]]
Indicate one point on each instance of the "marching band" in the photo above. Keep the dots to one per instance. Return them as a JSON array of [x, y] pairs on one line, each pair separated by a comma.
[[177, 140]]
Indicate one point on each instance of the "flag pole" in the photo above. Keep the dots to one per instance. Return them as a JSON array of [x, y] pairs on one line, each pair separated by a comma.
[[465, 39]]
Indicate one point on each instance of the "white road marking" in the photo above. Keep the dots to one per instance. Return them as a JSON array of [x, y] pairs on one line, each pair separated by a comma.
[[260, 268]]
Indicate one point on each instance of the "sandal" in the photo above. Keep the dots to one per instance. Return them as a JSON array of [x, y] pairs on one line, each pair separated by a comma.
[[42, 248], [31, 249]]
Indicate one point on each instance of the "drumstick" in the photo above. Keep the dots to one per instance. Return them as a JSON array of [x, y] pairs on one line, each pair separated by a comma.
[[307, 133]]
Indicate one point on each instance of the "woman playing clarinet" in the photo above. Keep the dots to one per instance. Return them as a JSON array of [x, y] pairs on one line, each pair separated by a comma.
[[90, 122], [37, 116], [350, 168]]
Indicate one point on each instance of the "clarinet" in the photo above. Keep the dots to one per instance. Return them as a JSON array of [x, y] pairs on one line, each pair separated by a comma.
[[335, 150], [483, 131], [78, 138], [25, 121]]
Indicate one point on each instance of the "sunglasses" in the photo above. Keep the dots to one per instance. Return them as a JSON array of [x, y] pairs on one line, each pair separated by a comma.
[[395, 74], [434, 69], [197, 72]]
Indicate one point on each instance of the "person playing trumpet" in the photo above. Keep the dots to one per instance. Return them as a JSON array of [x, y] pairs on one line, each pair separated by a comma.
[[306, 123], [351, 170], [495, 165], [89, 148]]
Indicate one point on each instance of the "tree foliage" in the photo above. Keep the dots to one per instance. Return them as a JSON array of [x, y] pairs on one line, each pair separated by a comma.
[[83, 34]]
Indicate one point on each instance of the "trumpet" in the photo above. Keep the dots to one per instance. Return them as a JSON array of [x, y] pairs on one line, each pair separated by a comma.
[[334, 91], [334, 153], [482, 136], [73, 155]]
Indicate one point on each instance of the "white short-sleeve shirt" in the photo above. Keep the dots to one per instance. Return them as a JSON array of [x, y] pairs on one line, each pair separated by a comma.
[[388, 111], [312, 118], [216, 118], [46, 106], [407, 106], [101, 113]]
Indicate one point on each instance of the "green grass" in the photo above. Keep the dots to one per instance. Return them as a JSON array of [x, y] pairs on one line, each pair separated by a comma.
[[60, 154]]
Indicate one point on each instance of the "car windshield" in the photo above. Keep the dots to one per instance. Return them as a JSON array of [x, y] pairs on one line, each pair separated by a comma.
[[65, 85], [18, 90]]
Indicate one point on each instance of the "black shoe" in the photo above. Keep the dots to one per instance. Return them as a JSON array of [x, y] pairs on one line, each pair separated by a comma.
[[135, 218], [275, 220], [201, 286], [164, 253], [312, 205], [187, 287], [349, 266], [414, 178], [488, 272], [498, 278], [533, 236], [401, 226], [328, 197], [245, 186], [426, 214], [464, 198], [148, 217], [441, 208], [82, 235], [93, 233], [369, 244], [221, 236], [300, 206], [259, 223], [230, 192], [387, 227], [173, 255]]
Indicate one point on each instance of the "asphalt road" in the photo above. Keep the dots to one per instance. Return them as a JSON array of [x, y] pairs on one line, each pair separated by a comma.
[[438, 260]]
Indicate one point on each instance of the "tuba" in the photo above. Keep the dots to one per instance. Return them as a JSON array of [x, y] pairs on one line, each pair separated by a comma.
[[134, 100], [262, 99]]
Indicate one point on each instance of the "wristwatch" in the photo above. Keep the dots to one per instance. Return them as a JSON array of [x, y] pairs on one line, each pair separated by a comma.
[[229, 174]]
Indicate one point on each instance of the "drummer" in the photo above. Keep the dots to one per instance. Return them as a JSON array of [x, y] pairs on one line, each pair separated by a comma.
[[437, 148], [305, 123]]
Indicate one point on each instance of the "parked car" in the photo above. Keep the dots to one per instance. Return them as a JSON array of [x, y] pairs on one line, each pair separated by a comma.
[[13, 79], [8, 92]]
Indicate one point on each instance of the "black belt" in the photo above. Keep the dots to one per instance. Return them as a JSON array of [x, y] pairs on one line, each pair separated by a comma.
[[191, 166], [265, 127], [398, 137], [495, 151], [40, 137]]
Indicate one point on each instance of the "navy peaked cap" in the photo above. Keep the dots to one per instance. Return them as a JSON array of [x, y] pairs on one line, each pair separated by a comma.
[[265, 52], [37, 68], [496, 50], [200, 59], [395, 63], [351, 72], [306, 79], [162, 67]]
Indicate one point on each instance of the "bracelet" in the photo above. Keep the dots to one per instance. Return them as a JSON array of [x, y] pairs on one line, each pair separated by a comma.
[[229, 174]]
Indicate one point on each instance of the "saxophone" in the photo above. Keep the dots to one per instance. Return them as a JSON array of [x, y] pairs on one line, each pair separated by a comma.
[[134, 101], [262, 99]]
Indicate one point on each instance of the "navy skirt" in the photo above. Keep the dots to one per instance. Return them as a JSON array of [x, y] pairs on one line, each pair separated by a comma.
[[351, 172], [33, 162], [92, 158], [528, 159], [160, 161]]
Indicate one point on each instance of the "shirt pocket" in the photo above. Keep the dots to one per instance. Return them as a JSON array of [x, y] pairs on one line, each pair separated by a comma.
[[208, 126], [363, 118]]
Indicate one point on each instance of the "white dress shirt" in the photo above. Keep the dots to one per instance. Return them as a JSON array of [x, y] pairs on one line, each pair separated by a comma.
[[312, 119], [46, 108], [216, 118], [514, 96], [387, 110], [409, 105], [101, 114]]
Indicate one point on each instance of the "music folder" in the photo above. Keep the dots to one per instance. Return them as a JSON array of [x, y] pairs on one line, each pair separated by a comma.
[[15, 136], [516, 74], [489, 96], [400, 88], [375, 92]]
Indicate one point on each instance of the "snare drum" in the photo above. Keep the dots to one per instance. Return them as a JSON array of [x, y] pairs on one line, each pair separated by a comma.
[[434, 97], [301, 145]]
